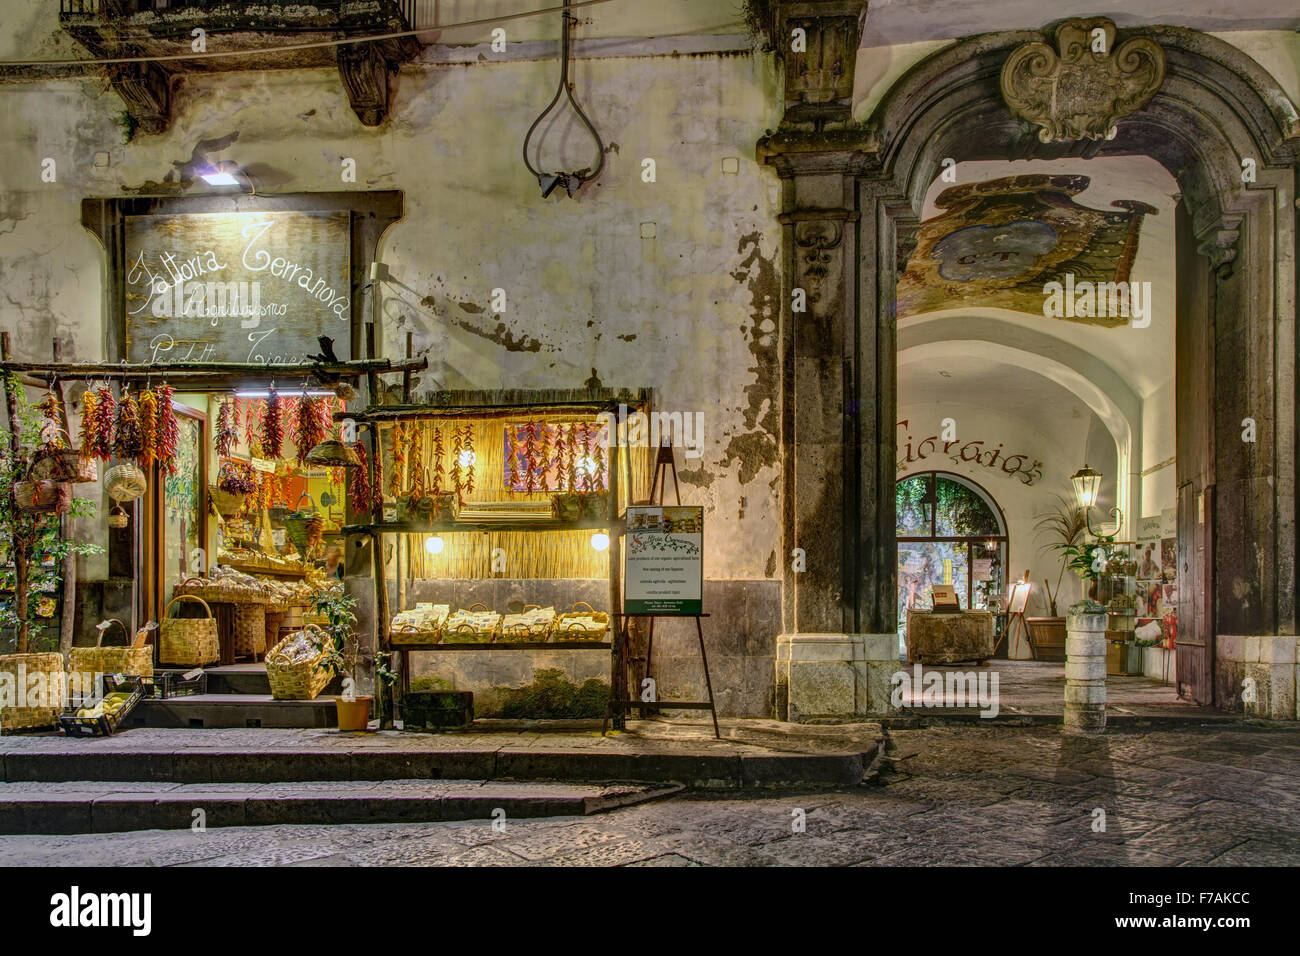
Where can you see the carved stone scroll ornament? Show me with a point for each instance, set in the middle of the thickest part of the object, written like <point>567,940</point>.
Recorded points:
<point>1080,91</point>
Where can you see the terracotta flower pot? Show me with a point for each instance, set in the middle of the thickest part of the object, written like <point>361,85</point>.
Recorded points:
<point>354,714</point>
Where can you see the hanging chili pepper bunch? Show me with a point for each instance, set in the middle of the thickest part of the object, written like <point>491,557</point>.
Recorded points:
<point>544,465</point>
<point>148,403</point>
<point>456,479</point>
<point>236,478</point>
<point>584,442</point>
<point>396,478</point>
<point>564,470</point>
<point>98,416</point>
<point>52,428</point>
<point>415,467</point>
<point>512,462</point>
<point>225,429</point>
<point>127,444</point>
<point>526,458</point>
<point>168,432</point>
<point>360,493</point>
<point>598,460</point>
<point>467,445</point>
<point>272,426</point>
<point>306,426</point>
<point>437,460</point>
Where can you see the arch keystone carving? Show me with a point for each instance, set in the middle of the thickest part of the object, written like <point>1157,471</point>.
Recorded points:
<point>1081,88</point>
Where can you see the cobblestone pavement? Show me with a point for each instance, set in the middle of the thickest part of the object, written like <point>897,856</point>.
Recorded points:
<point>959,796</point>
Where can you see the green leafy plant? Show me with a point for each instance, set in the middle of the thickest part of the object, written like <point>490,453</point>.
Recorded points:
<point>1065,526</point>
<point>339,611</point>
<point>34,540</point>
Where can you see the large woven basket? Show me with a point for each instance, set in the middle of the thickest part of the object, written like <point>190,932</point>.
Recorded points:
<point>42,497</point>
<point>296,523</point>
<point>303,680</point>
<point>47,706</point>
<point>136,661</point>
<point>188,641</point>
<point>250,629</point>
<point>62,464</point>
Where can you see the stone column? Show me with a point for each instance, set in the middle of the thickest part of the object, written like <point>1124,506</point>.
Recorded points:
<point>1085,671</point>
<point>830,663</point>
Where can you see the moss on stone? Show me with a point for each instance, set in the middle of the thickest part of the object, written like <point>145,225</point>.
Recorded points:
<point>552,696</point>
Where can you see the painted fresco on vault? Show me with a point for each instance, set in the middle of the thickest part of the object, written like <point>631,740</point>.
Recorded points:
<point>997,244</point>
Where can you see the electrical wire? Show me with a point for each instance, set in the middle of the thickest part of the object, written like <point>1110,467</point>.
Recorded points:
<point>565,88</point>
<point>317,44</point>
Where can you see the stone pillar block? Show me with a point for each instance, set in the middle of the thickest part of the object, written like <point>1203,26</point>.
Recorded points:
<point>834,676</point>
<point>1271,668</point>
<point>1085,672</point>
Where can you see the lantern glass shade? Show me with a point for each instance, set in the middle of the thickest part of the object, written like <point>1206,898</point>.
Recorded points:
<point>600,541</point>
<point>1087,485</point>
<point>433,544</point>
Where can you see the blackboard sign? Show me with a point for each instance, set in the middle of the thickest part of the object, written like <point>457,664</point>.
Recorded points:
<point>237,287</point>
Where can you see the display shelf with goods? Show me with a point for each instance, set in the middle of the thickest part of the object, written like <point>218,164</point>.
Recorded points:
<point>505,518</point>
<point>1116,588</point>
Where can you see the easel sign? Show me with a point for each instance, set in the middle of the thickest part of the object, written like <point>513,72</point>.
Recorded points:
<point>664,560</point>
<point>1019,597</point>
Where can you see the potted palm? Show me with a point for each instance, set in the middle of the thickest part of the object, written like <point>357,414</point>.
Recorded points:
<point>1064,528</point>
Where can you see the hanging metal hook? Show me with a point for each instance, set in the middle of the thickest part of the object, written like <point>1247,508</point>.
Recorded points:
<point>574,180</point>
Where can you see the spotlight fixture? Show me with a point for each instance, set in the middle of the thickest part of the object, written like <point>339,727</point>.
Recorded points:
<point>433,544</point>
<point>600,541</point>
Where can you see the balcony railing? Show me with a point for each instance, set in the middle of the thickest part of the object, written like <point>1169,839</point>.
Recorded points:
<point>418,13</point>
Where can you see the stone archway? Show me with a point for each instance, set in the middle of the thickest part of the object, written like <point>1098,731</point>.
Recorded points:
<point>852,197</point>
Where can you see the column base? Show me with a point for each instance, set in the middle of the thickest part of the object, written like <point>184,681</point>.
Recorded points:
<point>1259,675</point>
<point>834,676</point>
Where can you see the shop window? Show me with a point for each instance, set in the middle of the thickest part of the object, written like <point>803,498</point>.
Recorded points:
<point>950,531</point>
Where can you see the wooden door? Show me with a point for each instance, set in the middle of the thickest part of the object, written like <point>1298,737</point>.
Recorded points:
<point>1194,649</point>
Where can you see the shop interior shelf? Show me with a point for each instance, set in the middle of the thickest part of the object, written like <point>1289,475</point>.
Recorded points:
<point>504,524</point>
<point>508,646</point>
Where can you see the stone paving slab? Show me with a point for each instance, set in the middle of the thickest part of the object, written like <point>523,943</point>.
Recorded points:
<point>964,799</point>
<point>106,807</point>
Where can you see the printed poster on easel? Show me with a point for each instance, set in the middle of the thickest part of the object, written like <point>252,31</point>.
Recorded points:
<point>664,564</point>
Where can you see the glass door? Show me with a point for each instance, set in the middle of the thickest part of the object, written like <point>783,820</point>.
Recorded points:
<point>177,512</point>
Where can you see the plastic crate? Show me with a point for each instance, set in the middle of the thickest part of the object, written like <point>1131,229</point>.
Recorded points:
<point>106,724</point>
<point>171,684</point>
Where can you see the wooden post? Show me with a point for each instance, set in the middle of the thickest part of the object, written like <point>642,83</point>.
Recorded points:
<point>68,616</point>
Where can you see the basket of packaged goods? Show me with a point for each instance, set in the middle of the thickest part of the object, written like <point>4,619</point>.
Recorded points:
<point>41,700</point>
<point>534,624</point>
<point>99,718</point>
<point>578,625</point>
<point>421,625</point>
<point>188,641</point>
<point>296,667</point>
<point>470,626</point>
<point>133,657</point>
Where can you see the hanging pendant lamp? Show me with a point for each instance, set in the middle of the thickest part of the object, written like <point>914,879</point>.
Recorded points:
<point>571,181</point>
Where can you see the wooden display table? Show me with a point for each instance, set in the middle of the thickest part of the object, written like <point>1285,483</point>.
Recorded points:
<point>948,638</point>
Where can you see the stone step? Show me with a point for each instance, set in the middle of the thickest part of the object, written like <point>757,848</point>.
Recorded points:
<point>58,759</point>
<point>108,807</point>
<point>227,711</point>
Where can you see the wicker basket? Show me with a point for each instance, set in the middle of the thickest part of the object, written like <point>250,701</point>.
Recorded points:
<point>410,634</point>
<point>227,503</point>
<point>125,482</point>
<point>41,497</point>
<point>303,680</point>
<point>573,626</point>
<point>21,667</point>
<point>62,464</point>
<point>135,661</point>
<point>250,630</point>
<point>296,522</point>
<point>188,641</point>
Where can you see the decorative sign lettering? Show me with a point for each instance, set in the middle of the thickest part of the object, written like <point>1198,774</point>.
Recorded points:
<point>971,452</point>
<point>664,566</point>
<point>237,287</point>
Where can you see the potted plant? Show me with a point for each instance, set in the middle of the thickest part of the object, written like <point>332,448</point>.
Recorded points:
<point>339,611</point>
<point>1064,528</point>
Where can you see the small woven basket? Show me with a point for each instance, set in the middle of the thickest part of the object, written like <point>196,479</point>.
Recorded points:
<point>42,497</point>
<point>47,706</point>
<point>62,464</point>
<point>303,680</point>
<point>296,522</point>
<point>188,641</point>
<point>410,634</point>
<point>250,630</point>
<point>135,661</point>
